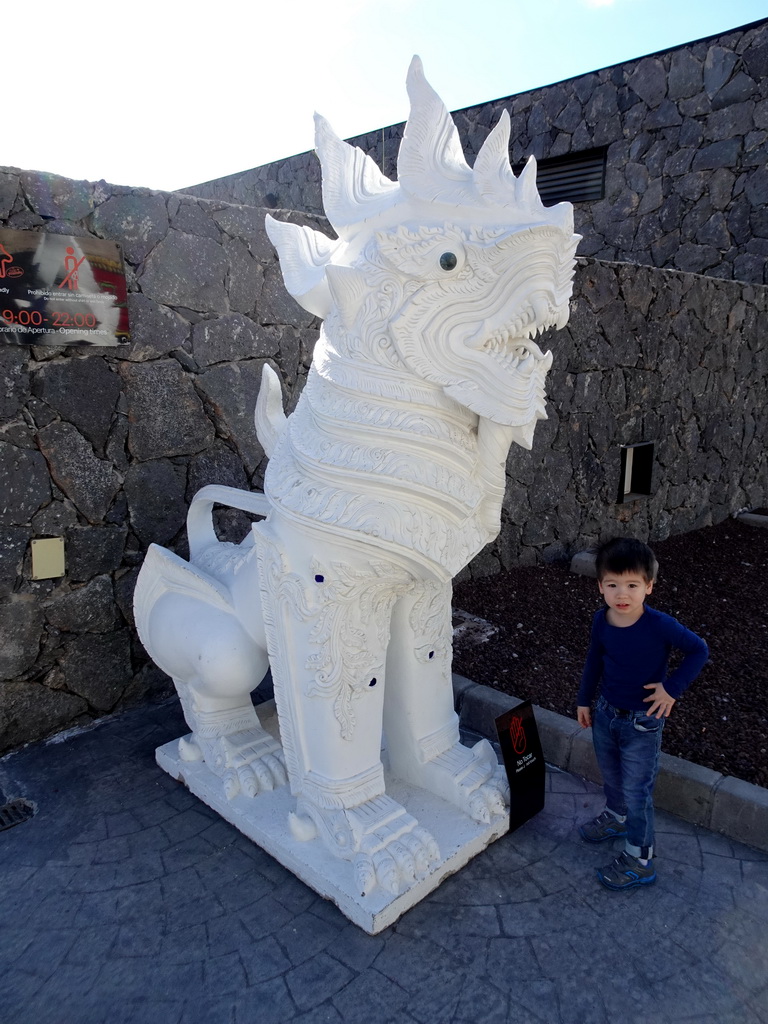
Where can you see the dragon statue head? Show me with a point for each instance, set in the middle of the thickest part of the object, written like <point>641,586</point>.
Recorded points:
<point>467,264</point>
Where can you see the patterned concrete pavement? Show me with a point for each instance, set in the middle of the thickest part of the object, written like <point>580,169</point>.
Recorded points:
<point>125,899</point>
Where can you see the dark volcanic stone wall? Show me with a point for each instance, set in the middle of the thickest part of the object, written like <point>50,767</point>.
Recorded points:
<point>686,132</point>
<point>106,446</point>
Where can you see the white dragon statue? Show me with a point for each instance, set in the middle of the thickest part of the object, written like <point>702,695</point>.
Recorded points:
<point>386,480</point>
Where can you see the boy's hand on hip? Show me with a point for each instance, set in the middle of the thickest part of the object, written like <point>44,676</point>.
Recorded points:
<point>584,717</point>
<point>660,701</point>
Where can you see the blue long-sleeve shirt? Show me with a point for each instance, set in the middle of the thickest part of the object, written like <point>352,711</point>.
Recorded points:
<point>622,659</point>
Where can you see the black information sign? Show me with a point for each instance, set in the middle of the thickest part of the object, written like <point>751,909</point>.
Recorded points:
<point>61,290</point>
<point>524,762</point>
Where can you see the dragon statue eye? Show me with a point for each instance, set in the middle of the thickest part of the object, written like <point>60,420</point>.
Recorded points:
<point>448,261</point>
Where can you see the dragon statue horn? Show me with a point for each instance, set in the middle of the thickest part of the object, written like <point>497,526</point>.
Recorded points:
<point>304,256</point>
<point>353,186</point>
<point>431,163</point>
<point>492,172</point>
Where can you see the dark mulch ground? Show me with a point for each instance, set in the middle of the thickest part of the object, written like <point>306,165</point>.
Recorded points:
<point>713,580</point>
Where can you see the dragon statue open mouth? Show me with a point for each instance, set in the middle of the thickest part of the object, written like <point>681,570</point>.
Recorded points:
<point>385,481</point>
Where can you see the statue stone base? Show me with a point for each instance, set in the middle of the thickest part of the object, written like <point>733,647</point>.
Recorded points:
<point>266,822</point>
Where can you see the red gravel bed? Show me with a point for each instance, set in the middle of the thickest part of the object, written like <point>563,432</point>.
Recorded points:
<point>712,580</point>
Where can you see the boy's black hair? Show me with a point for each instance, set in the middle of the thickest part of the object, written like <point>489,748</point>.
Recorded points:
<point>625,554</point>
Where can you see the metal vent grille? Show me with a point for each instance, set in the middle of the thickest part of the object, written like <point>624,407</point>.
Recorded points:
<point>575,178</point>
<point>14,813</point>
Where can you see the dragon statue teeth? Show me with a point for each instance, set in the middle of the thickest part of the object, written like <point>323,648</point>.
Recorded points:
<point>386,480</point>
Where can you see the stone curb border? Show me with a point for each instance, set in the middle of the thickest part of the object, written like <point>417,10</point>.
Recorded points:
<point>752,519</point>
<point>721,803</point>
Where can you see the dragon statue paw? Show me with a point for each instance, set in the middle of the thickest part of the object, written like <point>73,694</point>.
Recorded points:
<point>248,762</point>
<point>386,845</point>
<point>469,778</point>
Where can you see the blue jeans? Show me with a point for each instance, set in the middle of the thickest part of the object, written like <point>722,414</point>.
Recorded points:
<point>627,746</point>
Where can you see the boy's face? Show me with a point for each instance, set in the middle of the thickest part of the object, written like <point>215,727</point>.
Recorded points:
<point>624,594</point>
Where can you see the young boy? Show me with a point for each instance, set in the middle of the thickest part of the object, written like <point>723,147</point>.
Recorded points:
<point>627,664</point>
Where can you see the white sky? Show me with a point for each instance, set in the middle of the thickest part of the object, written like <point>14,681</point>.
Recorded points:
<point>168,93</point>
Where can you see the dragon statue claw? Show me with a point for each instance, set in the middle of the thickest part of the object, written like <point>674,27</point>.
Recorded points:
<point>386,845</point>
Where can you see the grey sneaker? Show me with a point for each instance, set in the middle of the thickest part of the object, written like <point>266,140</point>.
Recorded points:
<point>604,826</point>
<point>626,872</point>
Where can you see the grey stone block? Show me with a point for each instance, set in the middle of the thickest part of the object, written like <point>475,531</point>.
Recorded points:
<point>752,519</point>
<point>55,197</point>
<point>685,789</point>
<point>277,306</point>
<point>187,271</point>
<point>583,563</point>
<point>480,708</point>
<point>155,329</point>
<point>14,381</point>
<point>117,218</point>
<point>9,187</point>
<point>557,734</point>
<point>740,810</point>
<point>216,465</point>
<point>231,391</point>
<point>90,608</point>
<point>97,667</point>
<point>13,546</point>
<point>460,686</point>
<point>29,711</point>
<point>246,277</point>
<point>21,623</point>
<point>195,219</point>
<point>155,493</point>
<point>93,550</point>
<point>89,482</point>
<point>24,484</point>
<point>165,413</point>
<point>54,519</point>
<point>246,223</point>
<point>582,760</point>
<point>649,81</point>
<point>231,338</point>
<point>83,392</point>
